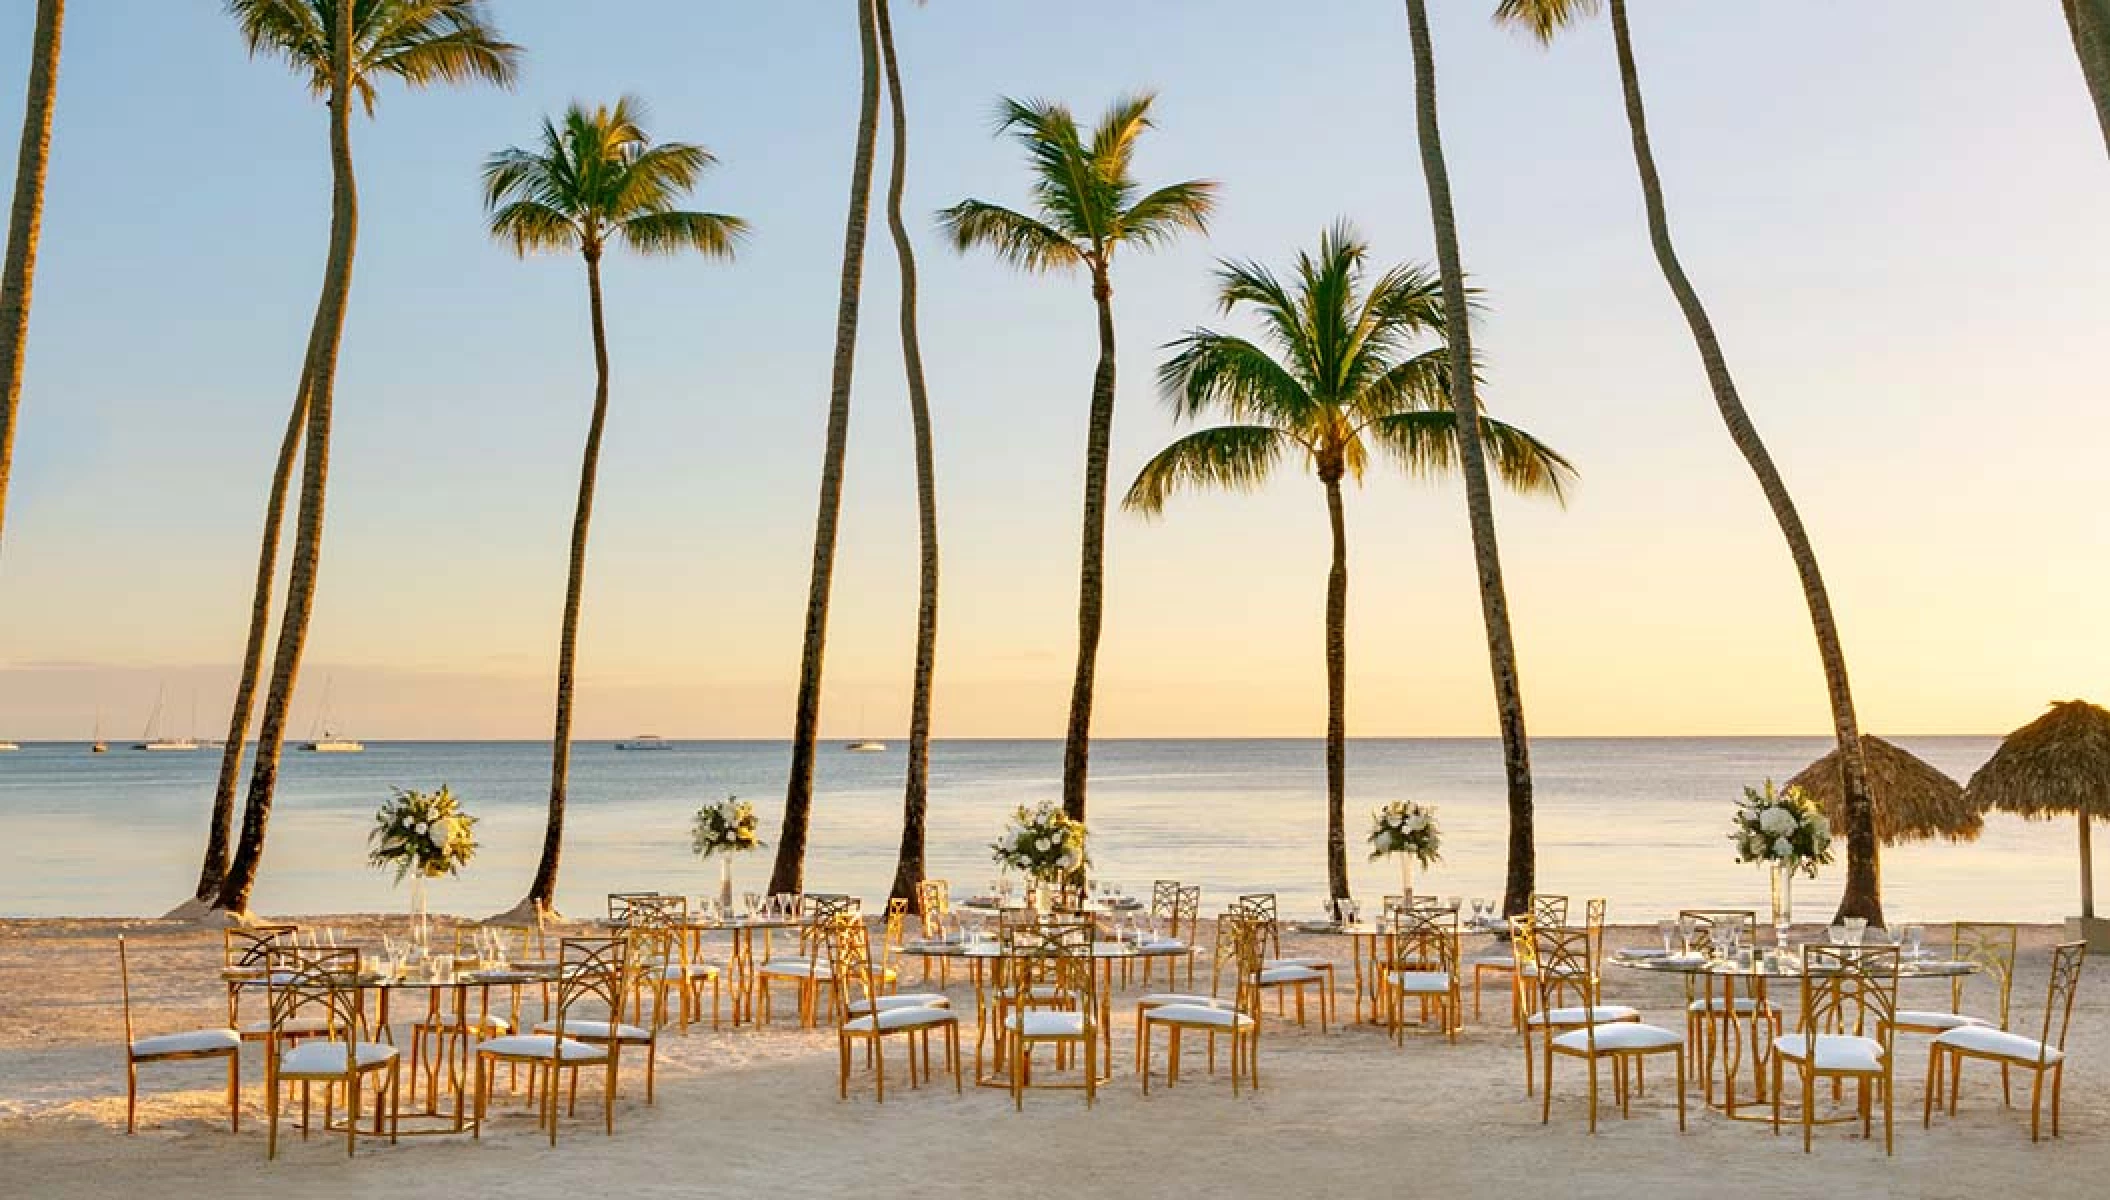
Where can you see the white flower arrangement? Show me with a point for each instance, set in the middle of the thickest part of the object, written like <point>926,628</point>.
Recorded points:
<point>1404,827</point>
<point>728,827</point>
<point>1042,842</point>
<point>1784,828</point>
<point>422,833</point>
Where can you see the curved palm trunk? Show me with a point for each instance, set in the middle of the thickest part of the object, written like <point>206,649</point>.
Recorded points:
<point>1336,693</point>
<point>213,872</point>
<point>24,222</point>
<point>1091,586</point>
<point>908,869</point>
<point>1472,461</point>
<point>1863,887</point>
<point>542,893</point>
<point>2089,20</point>
<point>319,385</point>
<point>789,872</point>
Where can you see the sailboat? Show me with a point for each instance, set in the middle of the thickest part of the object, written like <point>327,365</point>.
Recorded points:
<point>865,745</point>
<point>329,742</point>
<point>152,739</point>
<point>99,746</point>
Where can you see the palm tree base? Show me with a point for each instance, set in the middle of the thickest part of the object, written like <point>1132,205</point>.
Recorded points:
<point>527,912</point>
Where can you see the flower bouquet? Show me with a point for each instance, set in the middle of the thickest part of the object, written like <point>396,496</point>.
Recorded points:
<point>1407,831</point>
<point>724,829</point>
<point>1043,843</point>
<point>1787,831</point>
<point>423,835</point>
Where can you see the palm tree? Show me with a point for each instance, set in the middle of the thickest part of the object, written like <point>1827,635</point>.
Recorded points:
<point>788,875</point>
<point>595,180</point>
<point>2089,21</point>
<point>345,50</point>
<point>1522,875</point>
<point>1863,895</point>
<point>23,223</point>
<point>1337,378</point>
<point>908,869</point>
<point>1089,205</point>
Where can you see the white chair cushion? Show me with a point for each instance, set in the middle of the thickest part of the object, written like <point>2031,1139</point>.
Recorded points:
<point>1497,960</point>
<point>1603,1014</point>
<point>1913,1018</point>
<point>1042,1023</point>
<point>1745,1006</point>
<point>326,1059</point>
<point>1290,973</point>
<point>912,1017</point>
<point>1425,983</point>
<point>675,971</point>
<point>1835,1051</point>
<point>595,1031</point>
<point>197,1041</point>
<point>1984,1039</point>
<point>1316,964</point>
<point>1622,1035</point>
<point>479,1023</point>
<point>903,1000</point>
<point>541,1045</point>
<point>796,968</point>
<point>1161,999</point>
<point>300,1026</point>
<point>1200,1015</point>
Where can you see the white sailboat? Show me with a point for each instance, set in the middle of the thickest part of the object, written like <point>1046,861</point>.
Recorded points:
<point>864,745</point>
<point>329,742</point>
<point>645,741</point>
<point>152,739</point>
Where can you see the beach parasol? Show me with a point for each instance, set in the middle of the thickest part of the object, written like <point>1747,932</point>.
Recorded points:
<point>1914,801</point>
<point>2057,765</point>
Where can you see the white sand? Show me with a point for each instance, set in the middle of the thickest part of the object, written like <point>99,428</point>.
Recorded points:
<point>754,1113</point>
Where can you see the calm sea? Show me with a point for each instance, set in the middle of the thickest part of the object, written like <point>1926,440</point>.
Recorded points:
<point>1640,820</point>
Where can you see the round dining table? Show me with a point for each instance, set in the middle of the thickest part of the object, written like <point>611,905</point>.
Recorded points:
<point>1366,952</point>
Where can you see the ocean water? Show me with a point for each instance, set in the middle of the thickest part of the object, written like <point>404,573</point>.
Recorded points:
<point>1642,821</point>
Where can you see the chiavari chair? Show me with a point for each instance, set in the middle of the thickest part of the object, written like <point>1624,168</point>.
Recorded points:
<point>192,1046</point>
<point>934,905</point>
<point>640,946</point>
<point>1545,1020</point>
<point>1237,1019</point>
<point>1989,946</point>
<point>679,967</point>
<point>1186,927</point>
<point>2043,1057</point>
<point>1282,976</point>
<point>1164,914</point>
<point>1563,952</point>
<point>1843,989</point>
<point>243,951</point>
<point>871,1016</point>
<point>325,983</point>
<point>1232,931</point>
<point>1055,956</point>
<point>1421,964</point>
<point>594,975</point>
<point>809,969</point>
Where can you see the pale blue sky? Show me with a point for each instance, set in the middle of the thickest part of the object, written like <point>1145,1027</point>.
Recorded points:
<point>1895,208</point>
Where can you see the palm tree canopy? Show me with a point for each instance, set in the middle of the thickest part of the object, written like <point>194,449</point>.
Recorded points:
<point>1085,195</point>
<point>1543,19</point>
<point>1342,366</point>
<point>420,42</point>
<point>596,176</point>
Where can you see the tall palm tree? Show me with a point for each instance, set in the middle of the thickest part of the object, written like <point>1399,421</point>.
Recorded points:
<point>23,223</point>
<point>789,872</point>
<point>1336,378</point>
<point>1521,878</point>
<point>908,868</point>
<point>1089,205</point>
<point>1863,895</point>
<point>2089,21</point>
<point>595,180</point>
<point>345,50</point>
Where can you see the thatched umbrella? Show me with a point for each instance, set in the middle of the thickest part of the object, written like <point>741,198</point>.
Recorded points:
<point>2057,765</point>
<point>1914,801</point>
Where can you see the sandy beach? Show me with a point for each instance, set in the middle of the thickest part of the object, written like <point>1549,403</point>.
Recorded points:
<point>754,1112</point>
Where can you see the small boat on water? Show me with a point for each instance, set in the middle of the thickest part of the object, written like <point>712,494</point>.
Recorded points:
<point>866,746</point>
<point>7,746</point>
<point>98,746</point>
<point>331,742</point>
<point>151,739</point>
<point>645,741</point>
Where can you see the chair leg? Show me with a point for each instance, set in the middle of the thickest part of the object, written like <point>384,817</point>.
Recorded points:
<point>1933,1085</point>
<point>1681,1091</point>
<point>234,1092</point>
<point>2036,1102</point>
<point>131,1095</point>
<point>1593,1093</point>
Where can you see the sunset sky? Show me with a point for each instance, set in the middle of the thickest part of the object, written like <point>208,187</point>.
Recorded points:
<point>1895,208</point>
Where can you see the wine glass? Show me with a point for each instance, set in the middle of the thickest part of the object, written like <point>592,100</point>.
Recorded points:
<point>1668,931</point>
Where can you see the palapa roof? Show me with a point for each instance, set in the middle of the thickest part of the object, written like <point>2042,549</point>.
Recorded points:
<point>1914,801</point>
<point>2057,765</point>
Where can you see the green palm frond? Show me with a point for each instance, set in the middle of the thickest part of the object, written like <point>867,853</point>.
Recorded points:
<point>1543,19</point>
<point>1417,384</point>
<point>531,227</point>
<point>1215,370</point>
<point>714,235</point>
<point>1017,239</point>
<point>1426,444</point>
<point>1161,217</point>
<point>420,42</point>
<point>1255,286</point>
<point>1233,457</point>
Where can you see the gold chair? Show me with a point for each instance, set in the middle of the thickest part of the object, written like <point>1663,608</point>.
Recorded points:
<point>1545,910</point>
<point>1055,1001</point>
<point>808,970</point>
<point>1550,1021</point>
<point>2041,1057</point>
<point>1279,974</point>
<point>341,1055</point>
<point>641,946</point>
<point>1232,932</point>
<point>1164,914</point>
<point>591,972</point>
<point>934,905</point>
<point>193,1046</point>
<point>620,904</point>
<point>1989,946</point>
<point>871,1016</point>
<point>674,965</point>
<point>1561,954</point>
<point>1422,965</point>
<point>1843,988</point>
<point>243,953</point>
<point>1239,1019</point>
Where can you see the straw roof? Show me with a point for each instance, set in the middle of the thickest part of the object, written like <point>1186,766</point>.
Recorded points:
<point>2058,764</point>
<point>1914,802</point>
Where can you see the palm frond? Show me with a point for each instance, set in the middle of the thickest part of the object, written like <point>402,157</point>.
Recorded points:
<point>1215,370</point>
<point>420,42</point>
<point>1234,457</point>
<point>1164,214</point>
<point>1255,286</point>
<point>1543,19</point>
<point>530,226</point>
<point>1425,443</point>
<point>1020,240</point>
<point>1062,181</point>
<point>714,235</point>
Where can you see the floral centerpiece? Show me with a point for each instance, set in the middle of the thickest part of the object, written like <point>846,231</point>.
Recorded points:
<point>1406,831</point>
<point>423,835</point>
<point>1043,843</point>
<point>1787,831</point>
<point>723,830</point>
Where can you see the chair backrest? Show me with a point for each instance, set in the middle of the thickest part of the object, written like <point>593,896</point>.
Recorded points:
<point>849,946</point>
<point>2067,959</point>
<point>1424,939</point>
<point>619,903</point>
<point>896,929</point>
<point>1563,956</point>
<point>1058,953</point>
<point>338,960</point>
<point>248,946</point>
<point>1263,908</point>
<point>1187,913</point>
<point>522,942</point>
<point>934,903</point>
<point>1850,989</point>
<point>124,989</point>
<point>1593,922</point>
<point>1715,930</point>
<point>597,969</point>
<point>1548,911</point>
<point>296,985</point>
<point>1165,900</point>
<point>819,911</point>
<point>1246,952</point>
<point>1990,945</point>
